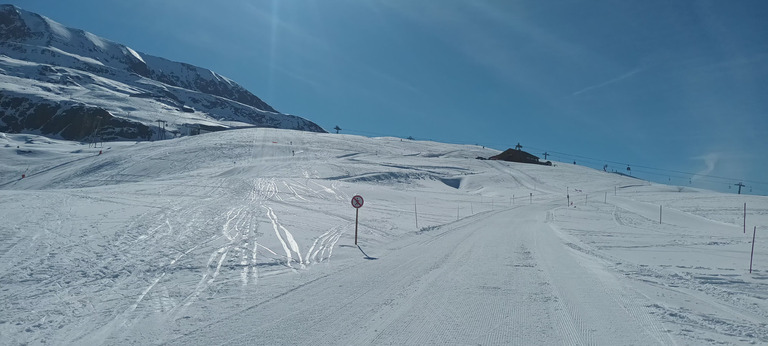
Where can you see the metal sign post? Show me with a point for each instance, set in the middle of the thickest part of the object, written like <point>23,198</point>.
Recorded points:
<point>357,202</point>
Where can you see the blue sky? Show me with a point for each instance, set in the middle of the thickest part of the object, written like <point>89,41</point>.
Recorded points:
<point>672,88</point>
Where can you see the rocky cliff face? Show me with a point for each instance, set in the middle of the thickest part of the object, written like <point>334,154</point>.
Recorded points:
<point>69,83</point>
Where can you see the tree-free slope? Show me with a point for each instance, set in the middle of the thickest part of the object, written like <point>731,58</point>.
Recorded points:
<point>247,237</point>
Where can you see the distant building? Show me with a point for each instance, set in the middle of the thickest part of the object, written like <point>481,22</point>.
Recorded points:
<point>517,155</point>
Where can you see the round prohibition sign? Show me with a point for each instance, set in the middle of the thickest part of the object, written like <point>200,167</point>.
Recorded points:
<point>357,201</point>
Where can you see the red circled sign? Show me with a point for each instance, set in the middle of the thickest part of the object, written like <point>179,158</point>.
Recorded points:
<point>357,201</point>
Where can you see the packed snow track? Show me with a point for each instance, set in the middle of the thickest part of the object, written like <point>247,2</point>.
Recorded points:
<point>247,237</point>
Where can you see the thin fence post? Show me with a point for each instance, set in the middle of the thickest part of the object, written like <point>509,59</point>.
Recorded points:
<point>416,213</point>
<point>745,218</point>
<point>752,255</point>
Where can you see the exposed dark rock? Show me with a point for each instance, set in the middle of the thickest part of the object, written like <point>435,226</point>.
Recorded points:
<point>75,122</point>
<point>11,26</point>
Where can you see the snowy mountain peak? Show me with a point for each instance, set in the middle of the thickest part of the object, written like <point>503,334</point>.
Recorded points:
<point>43,62</point>
<point>30,28</point>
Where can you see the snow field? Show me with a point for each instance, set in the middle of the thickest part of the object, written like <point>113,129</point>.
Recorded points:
<point>247,237</point>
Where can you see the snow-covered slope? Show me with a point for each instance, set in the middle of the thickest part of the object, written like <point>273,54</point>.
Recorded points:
<point>48,72</point>
<point>247,237</point>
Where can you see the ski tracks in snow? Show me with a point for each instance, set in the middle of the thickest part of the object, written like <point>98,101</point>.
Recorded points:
<point>322,248</point>
<point>286,239</point>
<point>240,250</point>
<point>474,282</point>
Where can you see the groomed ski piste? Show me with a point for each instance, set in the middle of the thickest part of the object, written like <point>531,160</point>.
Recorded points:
<point>247,237</point>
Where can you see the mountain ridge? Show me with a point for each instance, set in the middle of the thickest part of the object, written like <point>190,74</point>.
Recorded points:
<point>47,63</point>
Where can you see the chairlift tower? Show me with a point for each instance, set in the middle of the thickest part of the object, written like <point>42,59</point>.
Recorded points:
<point>740,185</point>
<point>96,129</point>
<point>161,129</point>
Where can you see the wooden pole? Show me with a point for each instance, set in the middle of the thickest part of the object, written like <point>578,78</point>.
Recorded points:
<point>753,249</point>
<point>416,213</point>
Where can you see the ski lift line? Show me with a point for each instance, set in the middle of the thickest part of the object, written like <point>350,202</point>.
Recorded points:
<point>595,160</point>
<point>700,178</point>
<point>647,167</point>
<point>601,161</point>
<point>685,177</point>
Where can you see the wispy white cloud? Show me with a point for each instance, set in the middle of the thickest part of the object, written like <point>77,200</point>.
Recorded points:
<point>710,162</point>
<point>608,82</point>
